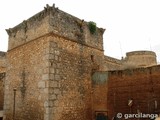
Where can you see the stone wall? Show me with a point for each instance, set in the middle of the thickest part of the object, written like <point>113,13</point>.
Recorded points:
<point>26,65</point>
<point>112,63</point>
<point>71,65</point>
<point>99,93</point>
<point>141,85</point>
<point>2,77</point>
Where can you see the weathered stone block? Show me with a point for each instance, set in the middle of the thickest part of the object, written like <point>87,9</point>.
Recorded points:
<point>56,58</point>
<point>41,84</point>
<point>56,103</point>
<point>53,84</point>
<point>48,104</point>
<point>46,117</point>
<point>57,77</point>
<point>49,57</point>
<point>57,52</point>
<point>47,63</point>
<point>57,71</point>
<point>57,91</point>
<point>45,77</point>
<point>46,90</point>
<point>52,97</point>
<point>46,70</point>
<point>52,76</point>
<point>49,110</point>
<point>52,70</point>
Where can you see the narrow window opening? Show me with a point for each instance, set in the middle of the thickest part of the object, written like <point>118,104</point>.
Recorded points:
<point>92,58</point>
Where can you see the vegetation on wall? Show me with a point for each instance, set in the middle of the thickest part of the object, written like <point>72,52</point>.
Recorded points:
<point>92,27</point>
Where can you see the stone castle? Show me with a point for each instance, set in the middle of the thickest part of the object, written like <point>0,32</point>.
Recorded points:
<point>55,69</point>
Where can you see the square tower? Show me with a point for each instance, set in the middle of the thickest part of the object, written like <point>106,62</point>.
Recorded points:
<point>50,59</point>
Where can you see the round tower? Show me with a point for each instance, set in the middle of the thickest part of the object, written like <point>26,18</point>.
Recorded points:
<point>141,58</point>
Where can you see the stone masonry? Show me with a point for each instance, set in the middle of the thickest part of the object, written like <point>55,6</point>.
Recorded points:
<point>142,85</point>
<point>2,76</point>
<point>2,62</point>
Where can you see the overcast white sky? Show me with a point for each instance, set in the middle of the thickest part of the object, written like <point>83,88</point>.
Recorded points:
<point>130,24</point>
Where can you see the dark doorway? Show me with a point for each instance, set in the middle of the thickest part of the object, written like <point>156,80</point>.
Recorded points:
<point>101,116</point>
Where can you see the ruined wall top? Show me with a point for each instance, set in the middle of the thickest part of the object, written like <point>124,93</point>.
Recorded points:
<point>56,22</point>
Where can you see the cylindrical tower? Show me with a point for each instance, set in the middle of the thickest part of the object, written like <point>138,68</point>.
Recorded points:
<point>141,58</point>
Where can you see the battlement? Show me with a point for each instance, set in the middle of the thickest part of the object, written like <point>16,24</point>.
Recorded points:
<point>56,22</point>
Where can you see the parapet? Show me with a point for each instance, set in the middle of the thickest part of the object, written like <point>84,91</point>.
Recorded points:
<point>56,22</point>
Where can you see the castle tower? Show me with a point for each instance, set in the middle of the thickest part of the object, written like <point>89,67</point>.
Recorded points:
<point>140,58</point>
<point>50,59</point>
